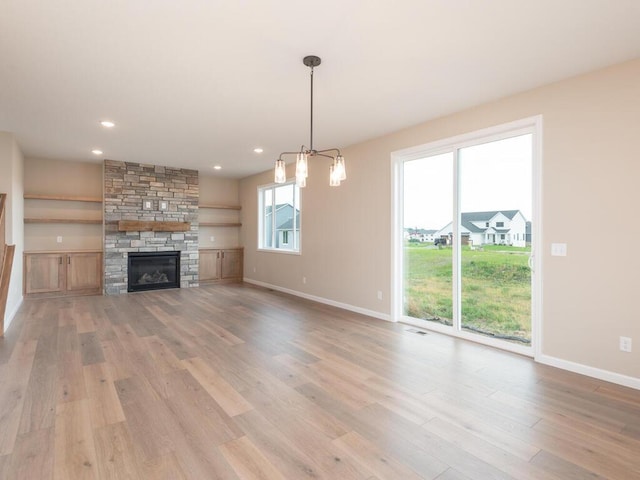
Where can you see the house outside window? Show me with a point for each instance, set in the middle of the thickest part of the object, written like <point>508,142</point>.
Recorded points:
<point>279,218</point>
<point>499,224</point>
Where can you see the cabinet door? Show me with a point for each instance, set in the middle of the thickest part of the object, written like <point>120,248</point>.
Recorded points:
<point>231,263</point>
<point>44,272</point>
<point>84,271</point>
<point>208,265</point>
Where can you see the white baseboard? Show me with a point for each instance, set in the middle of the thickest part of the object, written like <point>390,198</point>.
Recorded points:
<point>9,318</point>
<point>606,375</point>
<point>326,301</point>
<point>617,378</point>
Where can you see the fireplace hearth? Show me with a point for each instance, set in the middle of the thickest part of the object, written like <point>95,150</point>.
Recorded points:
<point>153,271</point>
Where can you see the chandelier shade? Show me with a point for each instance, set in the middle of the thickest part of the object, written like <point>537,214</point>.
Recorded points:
<point>337,169</point>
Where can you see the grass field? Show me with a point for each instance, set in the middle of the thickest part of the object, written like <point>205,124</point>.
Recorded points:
<point>496,288</point>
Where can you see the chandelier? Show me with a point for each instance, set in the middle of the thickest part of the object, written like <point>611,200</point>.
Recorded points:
<point>337,171</point>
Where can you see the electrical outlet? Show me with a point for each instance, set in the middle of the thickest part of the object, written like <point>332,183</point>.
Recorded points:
<point>625,344</point>
<point>59,239</point>
<point>304,279</point>
<point>212,238</point>
<point>559,249</point>
<point>379,295</point>
<point>254,269</point>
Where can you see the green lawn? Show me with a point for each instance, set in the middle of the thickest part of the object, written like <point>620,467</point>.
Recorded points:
<point>496,288</point>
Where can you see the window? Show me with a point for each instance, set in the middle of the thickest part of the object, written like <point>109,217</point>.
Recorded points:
<point>279,220</point>
<point>499,224</point>
<point>486,224</point>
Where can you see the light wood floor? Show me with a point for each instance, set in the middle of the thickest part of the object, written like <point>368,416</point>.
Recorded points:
<point>232,381</point>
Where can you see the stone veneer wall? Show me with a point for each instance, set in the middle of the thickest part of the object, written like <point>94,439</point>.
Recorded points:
<point>126,185</point>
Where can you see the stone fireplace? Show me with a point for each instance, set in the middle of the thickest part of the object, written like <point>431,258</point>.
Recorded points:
<point>152,195</point>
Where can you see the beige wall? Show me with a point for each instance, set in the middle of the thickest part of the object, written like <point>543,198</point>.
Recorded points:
<point>62,177</point>
<point>590,198</point>
<point>11,180</point>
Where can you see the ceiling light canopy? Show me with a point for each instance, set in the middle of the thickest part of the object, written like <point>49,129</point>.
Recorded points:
<point>258,150</point>
<point>337,170</point>
<point>217,167</point>
<point>107,124</point>
<point>96,151</point>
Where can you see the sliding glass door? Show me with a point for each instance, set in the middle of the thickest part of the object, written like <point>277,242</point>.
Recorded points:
<point>467,233</point>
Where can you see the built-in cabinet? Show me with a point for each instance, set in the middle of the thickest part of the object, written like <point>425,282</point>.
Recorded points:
<point>63,273</point>
<point>221,265</point>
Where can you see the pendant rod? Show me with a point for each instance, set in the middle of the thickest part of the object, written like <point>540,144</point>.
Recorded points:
<point>311,123</point>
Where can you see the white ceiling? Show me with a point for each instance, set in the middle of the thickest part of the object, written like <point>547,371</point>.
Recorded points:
<point>195,83</point>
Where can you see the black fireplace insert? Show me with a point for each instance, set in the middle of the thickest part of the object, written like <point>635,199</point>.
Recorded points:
<point>153,271</point>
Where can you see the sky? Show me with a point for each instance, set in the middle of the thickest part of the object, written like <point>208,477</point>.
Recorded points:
<point>493,176</point>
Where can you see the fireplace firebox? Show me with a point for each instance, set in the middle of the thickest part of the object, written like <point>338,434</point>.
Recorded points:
<point>153,271</point>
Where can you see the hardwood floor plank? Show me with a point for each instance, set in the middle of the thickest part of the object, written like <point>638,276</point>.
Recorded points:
<point>13,385</point>
<point>248,461</point>
<point>33,456</point>
<point>148,419</point>
<point>162,356</point>
<point>276,393</point>
<point>562,468</point>
<point>115,453</point>
<point>477,446</point>
<point>234,381</point>
<point>372,459</point>
<point>197,412</point>
<point>165,467</point>
<point>311,441</point>
<point>75,456</point>
<point>278,447</point>
<point>220,390</point>
<point>90,348</point>
<point>39,407</point>
<point>104,404</point>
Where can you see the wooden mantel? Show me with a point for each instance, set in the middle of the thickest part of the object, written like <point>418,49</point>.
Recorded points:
<point>152,226</point>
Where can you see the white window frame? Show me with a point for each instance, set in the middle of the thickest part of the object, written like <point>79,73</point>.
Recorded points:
<point>527,125</point>
<point>293,246</point>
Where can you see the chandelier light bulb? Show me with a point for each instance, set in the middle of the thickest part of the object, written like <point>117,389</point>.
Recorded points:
<point>342,171</point>
<point>334,177</point>
<point>280,173</point>
<point>301,165</point>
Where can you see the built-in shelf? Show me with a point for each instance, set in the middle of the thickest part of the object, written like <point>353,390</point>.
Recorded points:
<point>63,220</point>
<point>68,198</point>
<point>222,207</point>
<point>220,224</point>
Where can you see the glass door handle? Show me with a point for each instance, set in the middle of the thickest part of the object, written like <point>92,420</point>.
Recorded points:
<point>530,262</point>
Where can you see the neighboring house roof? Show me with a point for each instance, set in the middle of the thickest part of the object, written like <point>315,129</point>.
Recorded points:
<point>486,216</point>
<point>471,227</point>
<point>288,224</point>
<point>467,219</point>
<point>284,216</point>
<point>420,231</point>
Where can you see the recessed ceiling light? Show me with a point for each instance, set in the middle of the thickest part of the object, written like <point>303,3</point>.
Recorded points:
<point>217,167</point>
<point>96,152</point>
<point>107,124</point>
<point>258,150</point>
